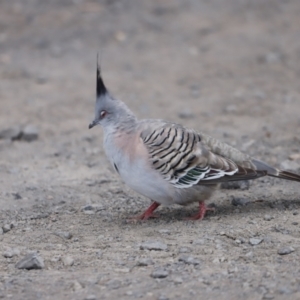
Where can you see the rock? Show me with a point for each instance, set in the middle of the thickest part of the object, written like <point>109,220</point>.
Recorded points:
<point>92,208</point>
<point>9,253</point>
<point>234,185</point>
<point>30,133</point>
<point>255,241</point>
<point>68,261</point>
<point>7,227</point>
<point>267,218</point>
<point>17,196</point>
<point>236,201</point>
<point>184,250</point>
<point>164,231</point>
<point>294,156</point>
<point>1,230</point>
<point>159,273</point>
<point>77,286</point>
<point>113,284</point>
<point>153,245</point>
<point>143,262</point>
<point>30,262</point>
<point>64,234</point>
<point>189,260</point>
<point>12,133</point>
<point>186,114</point>
<point>289,165</point>
<point>90,297</point>
<point>285,250</point>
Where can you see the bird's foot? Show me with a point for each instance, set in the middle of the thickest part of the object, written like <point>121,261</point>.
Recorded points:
<point>202,211</point>
<point>147,214</point>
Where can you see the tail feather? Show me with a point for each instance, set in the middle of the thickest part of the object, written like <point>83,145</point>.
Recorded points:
<point>287,175</point>
<point>271,171</point>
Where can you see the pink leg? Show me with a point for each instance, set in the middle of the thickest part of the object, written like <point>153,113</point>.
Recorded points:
<point>202,211</point>
<point>148,213</point>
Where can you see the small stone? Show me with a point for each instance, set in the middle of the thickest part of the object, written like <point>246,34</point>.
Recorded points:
<point>159,273</point>
<point>7,227</point>
<point>186,114</point>
<point>164,231</point>
<point>30,262</point>
<point>240,201</point>
<point>77,286</point>
<point>255,241</point>
<point>30,133</point>
<point>285,250</point>
<point>153,245</point>
<point>177,280</point>
<point>11,253</point>
<point>294,156</point>
<point>289,165</point>
<point>17,196</point>
<point>189,260</point>
<point>12,133</point>
<point>295,223</point>
<point>267,218</point>
<point>143,262</point>
<point>92,208</point>
<point>1,230</point>
<point>90,297</point>
<point>68,261</point>
<point>163,297</point>
<point>113,284</point>
<point>185,250</point>
<point>64,234</point>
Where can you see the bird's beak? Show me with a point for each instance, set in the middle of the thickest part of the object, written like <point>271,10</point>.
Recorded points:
<point>94,123</point>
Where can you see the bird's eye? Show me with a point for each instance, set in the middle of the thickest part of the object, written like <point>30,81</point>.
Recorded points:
<point>102,114</point>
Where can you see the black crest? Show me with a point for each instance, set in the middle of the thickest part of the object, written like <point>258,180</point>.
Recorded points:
<point>101,89</point>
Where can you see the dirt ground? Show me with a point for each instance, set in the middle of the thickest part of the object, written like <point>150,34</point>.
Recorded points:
<point>228,68</point>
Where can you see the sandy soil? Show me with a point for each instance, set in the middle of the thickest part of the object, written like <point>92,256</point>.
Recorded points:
<point>228,68</point>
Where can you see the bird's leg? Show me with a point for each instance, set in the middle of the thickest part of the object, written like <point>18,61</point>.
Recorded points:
<point>148,213</point>
<point>202,211</point>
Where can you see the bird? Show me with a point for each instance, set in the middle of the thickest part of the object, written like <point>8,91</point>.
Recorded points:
<point>167,162</point>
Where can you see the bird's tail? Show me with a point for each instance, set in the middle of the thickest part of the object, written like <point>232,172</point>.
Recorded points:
<point>275,172</point>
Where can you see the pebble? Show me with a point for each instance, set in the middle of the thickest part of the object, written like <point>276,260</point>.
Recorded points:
<point>113,284</point>
<point>92,208</point>
<point>159,273</point>
<point>7,227</point>
<point>164,231</point>
<point>30,133</point>
<point>30,262</point>
<point>163,297</point>
<point>9,253</point>
<point>285,250</point>
<point>239,201</point>
<point>289,165</point>
<point>186,114</point>
<point>267,218</point>
<point>77,286</point>
<point>12,133</point>
<point>68,261</point>
<point>294,156</point>
<point>153,245</point>
<point>189,260</point>
<point>184,250</point>
<point>143,262</point>
<point>255,241</point>
<point>90,297</point>
<point>64,234</point>
<point>177,280</point>
<point>1,231</point>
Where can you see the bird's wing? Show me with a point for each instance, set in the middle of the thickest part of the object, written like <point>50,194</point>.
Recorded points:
<point>184,160</point>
